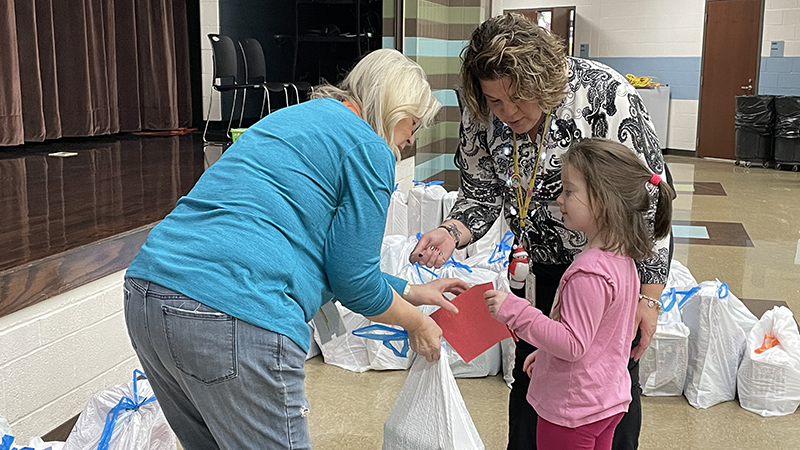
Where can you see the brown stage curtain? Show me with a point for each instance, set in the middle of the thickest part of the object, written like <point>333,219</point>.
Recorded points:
<point>92,67</point>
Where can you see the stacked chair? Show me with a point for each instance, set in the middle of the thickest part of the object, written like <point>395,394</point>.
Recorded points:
<point>225,59</point>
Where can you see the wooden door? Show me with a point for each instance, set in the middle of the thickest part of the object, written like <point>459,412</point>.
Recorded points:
<point>730,68</point>
<point>560,20</point>
<point>561,25</point>
<point>532,14</point>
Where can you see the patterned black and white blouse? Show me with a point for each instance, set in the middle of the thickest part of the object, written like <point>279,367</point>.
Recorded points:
<point>599,103</point>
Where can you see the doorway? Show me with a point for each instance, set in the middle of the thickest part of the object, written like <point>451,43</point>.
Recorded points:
<point>731,57</point>
<point>559,20</point>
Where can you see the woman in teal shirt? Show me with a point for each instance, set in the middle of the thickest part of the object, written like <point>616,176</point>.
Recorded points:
<point>218,299</point>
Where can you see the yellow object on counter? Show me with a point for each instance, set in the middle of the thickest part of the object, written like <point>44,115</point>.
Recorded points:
<point>640,82</point>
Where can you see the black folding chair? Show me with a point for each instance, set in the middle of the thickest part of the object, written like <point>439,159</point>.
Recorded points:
<point>224,57</point>
<point>256,72</point>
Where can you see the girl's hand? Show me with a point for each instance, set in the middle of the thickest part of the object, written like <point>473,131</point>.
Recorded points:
<point>494,300</point>
<point>528,365</point>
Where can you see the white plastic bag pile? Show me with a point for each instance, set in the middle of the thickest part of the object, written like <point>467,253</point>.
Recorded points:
<point>430,413</point>
<point>486,260</point>
<point>769,377</point>
<point>135,422</point>
<point>354,353</point>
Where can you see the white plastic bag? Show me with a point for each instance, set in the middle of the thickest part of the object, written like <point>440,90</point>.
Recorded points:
<point>662,368</point>
<point>124,417</point>
<point>769,382</point>
<point>5,428</point>
<point>425,206</point>
<point>418,274</point>
<point>343,349</point>
<point>381,356</point>
<point>397,215</point>
<point>490,240</point>
<point>358,354</point>
<point>448,201</point>
<point>716,346</point>
<point>313,348</point>
<point>680,277</point>
<point>495,259</point>
<point>430,413</point>
<point>394,254</point>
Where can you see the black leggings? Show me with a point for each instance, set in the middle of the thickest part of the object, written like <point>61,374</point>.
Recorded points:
<point>522,417</point>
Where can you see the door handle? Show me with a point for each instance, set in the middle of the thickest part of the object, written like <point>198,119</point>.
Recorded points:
<point>749,87</point>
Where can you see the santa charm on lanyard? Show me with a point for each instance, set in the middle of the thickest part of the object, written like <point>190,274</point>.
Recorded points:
<point>523,203</point>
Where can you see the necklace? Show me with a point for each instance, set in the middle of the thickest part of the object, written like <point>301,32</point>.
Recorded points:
<point>516,179</point>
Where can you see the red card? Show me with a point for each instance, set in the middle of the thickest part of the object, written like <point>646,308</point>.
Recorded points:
<point>473,330</point>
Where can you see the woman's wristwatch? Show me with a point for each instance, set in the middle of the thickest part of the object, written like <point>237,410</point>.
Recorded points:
<point>652,302</point>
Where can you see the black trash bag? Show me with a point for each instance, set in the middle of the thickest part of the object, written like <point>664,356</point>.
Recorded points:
<point>755,113</point>
<point>787,120</point>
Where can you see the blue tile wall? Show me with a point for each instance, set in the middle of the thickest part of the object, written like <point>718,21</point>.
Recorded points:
<point>682,74</point>
<point>779,76</point>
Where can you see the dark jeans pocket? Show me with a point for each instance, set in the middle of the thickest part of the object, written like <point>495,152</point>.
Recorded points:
<point>202,341</point>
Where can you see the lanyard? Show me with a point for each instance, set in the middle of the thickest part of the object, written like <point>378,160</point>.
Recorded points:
<point>523,206</point>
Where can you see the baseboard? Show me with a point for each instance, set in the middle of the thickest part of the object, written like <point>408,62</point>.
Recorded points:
<point>61,432</point>
<point>679,152</point>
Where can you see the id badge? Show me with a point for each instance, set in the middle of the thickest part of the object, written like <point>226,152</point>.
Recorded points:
<point>530,288</point>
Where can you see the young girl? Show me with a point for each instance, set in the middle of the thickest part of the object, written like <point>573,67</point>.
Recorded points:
<point>579,382</point>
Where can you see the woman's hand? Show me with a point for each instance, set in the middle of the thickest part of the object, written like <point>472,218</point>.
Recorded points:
<point>425,339</point>
<point>494,300</point>
<point>433,248</point>
<point>528,365</point>
<point>431,293</point>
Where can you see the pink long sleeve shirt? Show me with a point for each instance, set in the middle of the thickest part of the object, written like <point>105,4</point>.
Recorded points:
<point>580,374</point>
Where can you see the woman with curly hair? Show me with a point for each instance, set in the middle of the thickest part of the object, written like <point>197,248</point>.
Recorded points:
<point>526,103</point>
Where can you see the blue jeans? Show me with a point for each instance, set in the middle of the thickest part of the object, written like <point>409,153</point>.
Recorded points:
<point>222,382</point>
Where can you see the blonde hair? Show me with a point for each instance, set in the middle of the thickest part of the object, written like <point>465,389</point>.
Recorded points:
<point>386,87</point>
<point>513,46</point>
<point>618,184</point>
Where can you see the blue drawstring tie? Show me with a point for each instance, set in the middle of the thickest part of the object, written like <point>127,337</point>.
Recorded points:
<point>378,332</point>
<point>501,250</point>
<point>125,403</point>
<point>454,263</point>
<point>419,272</point>
<point>723,290</point>
<point>672,296</point>
<point>428,184</point>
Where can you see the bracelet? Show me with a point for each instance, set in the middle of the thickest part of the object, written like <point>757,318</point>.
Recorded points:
<point>406,290</point>
<point>454,232</point>
<point>651,302</point>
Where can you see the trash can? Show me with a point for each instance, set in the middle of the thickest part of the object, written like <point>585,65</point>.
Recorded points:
<point>754,123</point>
<point>787,132</point>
